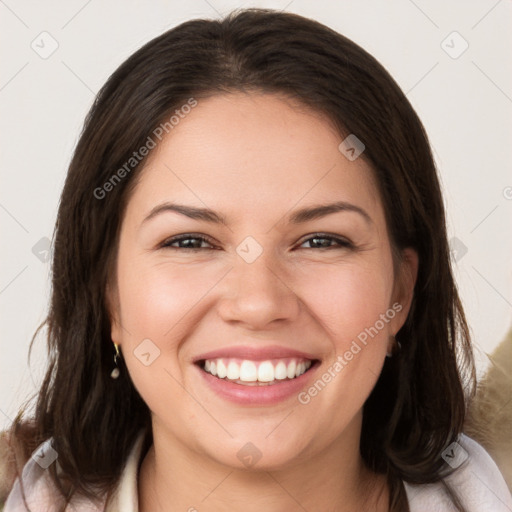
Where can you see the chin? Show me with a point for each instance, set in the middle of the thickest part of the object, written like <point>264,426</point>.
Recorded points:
<point>255,453</point>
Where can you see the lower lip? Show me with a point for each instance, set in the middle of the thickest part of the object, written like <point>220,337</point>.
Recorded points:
<point>258,395</point>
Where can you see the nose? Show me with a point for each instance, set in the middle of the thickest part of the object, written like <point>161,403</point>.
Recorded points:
<point>258,295</point>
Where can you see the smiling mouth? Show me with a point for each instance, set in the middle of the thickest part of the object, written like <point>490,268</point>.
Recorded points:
<point>256,373</point>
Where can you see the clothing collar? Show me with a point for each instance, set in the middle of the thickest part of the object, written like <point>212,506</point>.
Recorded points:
<point>478,483</point>
<point>125,498</point>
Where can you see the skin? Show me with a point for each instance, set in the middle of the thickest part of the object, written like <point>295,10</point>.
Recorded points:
<point>255,159</point>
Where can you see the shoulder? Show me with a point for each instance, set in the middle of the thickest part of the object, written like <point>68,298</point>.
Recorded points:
<point>37,490</point>
<point>476,480</point>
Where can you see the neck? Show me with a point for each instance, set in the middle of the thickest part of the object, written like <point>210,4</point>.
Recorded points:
<point>174,478</point>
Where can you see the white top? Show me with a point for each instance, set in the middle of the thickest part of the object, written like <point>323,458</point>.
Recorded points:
<point>477,481</point>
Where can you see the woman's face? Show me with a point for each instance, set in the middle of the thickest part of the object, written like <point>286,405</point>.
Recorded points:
<point>271,290</point>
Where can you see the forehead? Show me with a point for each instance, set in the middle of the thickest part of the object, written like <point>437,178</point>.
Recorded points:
<point>257,152</point>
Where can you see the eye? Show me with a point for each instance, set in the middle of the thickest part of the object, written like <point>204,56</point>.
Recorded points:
<point>324,241</point>
<point>189,241</point>
<point>196,242</point>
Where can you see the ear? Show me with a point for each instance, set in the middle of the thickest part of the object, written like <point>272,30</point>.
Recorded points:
<point>112,303</point>
<point>405,281</point>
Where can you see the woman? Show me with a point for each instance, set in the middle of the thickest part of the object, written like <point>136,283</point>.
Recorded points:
<point>253,306</point>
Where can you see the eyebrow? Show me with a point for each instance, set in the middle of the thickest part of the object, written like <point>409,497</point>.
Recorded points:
<point>316,212</point>
<point>298,217</point>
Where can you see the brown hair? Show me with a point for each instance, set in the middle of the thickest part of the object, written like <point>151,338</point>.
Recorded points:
<point>418,404</point>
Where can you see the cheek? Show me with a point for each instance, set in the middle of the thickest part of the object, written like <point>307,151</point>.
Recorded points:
<point>157,304</point>
<point>347,299</point>
<point>156,297</point>
<point>349,302</point>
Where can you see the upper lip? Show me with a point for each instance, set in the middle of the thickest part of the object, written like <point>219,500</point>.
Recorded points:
<point>257,353</point>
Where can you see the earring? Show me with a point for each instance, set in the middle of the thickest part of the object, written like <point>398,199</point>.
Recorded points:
<point>115,372</point>
<point>395,348</point>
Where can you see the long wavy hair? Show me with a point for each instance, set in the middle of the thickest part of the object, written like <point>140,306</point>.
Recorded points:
<point>417,406</point>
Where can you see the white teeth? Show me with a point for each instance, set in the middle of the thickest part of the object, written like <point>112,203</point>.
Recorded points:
<point>265,372</point>
<point>248,371</point>
<point>221,369</point>
<point>291,370</point>
<point>254,371</point>
<point>233,371</point>
<point>280,371</point>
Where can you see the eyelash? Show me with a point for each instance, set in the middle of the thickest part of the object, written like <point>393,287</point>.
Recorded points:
<point>342,243</point>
